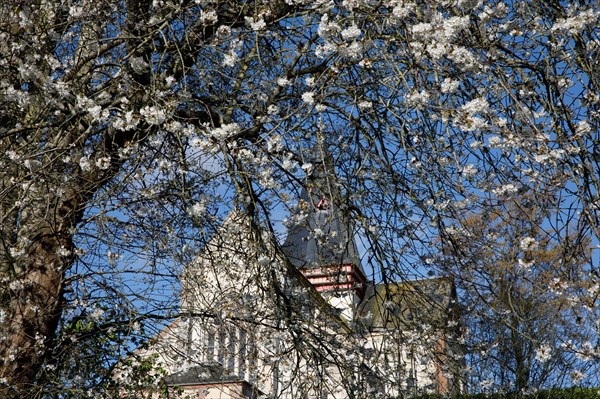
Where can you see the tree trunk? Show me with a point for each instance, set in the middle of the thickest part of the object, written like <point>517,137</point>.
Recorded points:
<point>31,312</point>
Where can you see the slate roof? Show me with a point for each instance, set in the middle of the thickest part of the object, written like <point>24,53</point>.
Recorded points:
<point>409,303</point>
<point>324,237</point>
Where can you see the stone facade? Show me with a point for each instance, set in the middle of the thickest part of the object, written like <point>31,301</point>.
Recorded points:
<point>302,320</point>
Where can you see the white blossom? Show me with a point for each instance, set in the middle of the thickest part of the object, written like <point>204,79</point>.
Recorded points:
<point>75,11</point>
<point>126,122</point>
<point>225,131</point>
<point>208,17</point>
<point>16,251</point>
<point>354,50</point>
<point>320,107</point>
<point>506,189</point>
<point>256,24</point>
<point>138,64</point>
<point>62,251</point>
<point>18,96</point>
<point>363,105</point>
<point>307,168</point>
<point>528,244</point>
<point>454,25</point>
<point>274,143</point>
<point>576,23</point>
<point>462,57</point>
<point>494,141</point>
<point>230,59</point>
<point>32,164</point>
<point>283,81</point>
<point>153,115</point>
<point>198,209</point>
<point>327,28</point>
<point>469,170</point>
<point>476,106</point>
<point>583,128</point>
<point>421,30</point>
<point>525,266</point>
<point>103,163</point>
<point>223,31</point>
<point>471,123</point>
<point>85,164</point>
<point>418,99</point>
<point>449,85</point>
<point>288,164</point>
<point>95,111</point>
<point>325,49</point>
<point>308,97</point>
<point>576,376</point>
<point>350,33</point>
<point>401,11</point>
<point>97,314</point>
<point>169,81</point>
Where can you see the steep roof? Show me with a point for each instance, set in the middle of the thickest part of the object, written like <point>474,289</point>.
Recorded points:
<point>409,303</point>
<point>320,233</point>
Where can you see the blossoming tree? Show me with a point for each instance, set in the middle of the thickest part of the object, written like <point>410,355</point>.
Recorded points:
<point>521,291</point>
<point>127,129</point>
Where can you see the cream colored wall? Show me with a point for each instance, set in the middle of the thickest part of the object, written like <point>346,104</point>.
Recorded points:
<point>402,355</point>
<point>222,292</point>
<point>347,302</point>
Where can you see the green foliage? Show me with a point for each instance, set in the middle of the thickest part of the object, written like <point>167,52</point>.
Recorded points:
<point>556,393</point>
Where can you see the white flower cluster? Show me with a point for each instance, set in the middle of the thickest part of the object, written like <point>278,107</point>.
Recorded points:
<point>437,36</point>
<point>231,57</point>
<point>476,106</point>
<point>256,24</point>
<point>577,376</point>
<point>125,122</point>
<point>583,128</point>
<point>449,85</point>
<point>525,266</point>
<point>96,314</point>
<point>198,209</point>
<point>153,115</point>
<point>103,163</point>
<point>308,97</point>
<point>283,81</point>
<point>85,164</point>
<point>505,190</point>
<point>528,244</point>
<point>364,105</point>
<point>208,17</point>
<point>21,97</point>
<point>275,143</point>
<point>417,99</point>
<point>550,157</point>
<point>327,28</point>
<point>138,64</point>
<point>574,24</point>
<point>225,131</point>
<point>350,33</point>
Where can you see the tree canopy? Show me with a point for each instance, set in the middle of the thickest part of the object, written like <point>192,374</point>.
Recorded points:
<point>129,129</point>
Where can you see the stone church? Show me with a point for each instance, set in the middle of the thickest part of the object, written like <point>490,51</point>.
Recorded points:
<point>302,319</point>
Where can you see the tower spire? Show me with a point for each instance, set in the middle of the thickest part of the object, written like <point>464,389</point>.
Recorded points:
<point>320,243</point>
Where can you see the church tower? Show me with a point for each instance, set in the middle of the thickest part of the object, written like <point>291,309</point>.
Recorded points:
<point>320,244</point>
